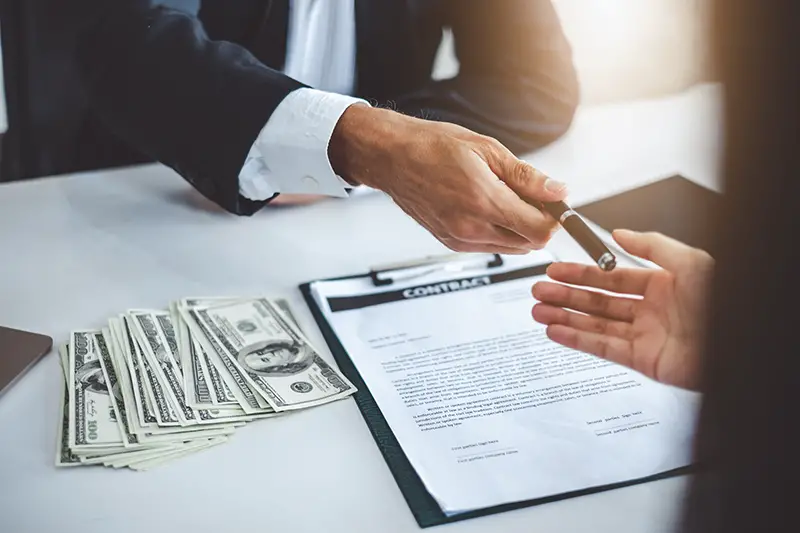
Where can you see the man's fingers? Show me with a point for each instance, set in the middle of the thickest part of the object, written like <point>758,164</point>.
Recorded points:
<point>550,315</point>
<point>497,203</point>
<point>483,248</point>
<point>506,236</point>
<point>518,216</point>
<point>664,251</point>
<point>471,235</point>
<point>529,183</point>
<point>620,280</point>
<point>604,346</point>
<point>592,303</point>
<point>482,232</point>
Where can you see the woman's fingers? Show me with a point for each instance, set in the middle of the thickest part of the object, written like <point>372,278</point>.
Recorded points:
<point>664,251</point>
<point>549,315</point>
<point>620,280</point>
<point>607,347</point>
<point>591,303</point>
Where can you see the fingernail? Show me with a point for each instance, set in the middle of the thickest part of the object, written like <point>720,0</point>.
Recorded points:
<point>552,185</point>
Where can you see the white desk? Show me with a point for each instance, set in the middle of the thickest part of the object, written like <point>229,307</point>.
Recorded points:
<point>78,249</point>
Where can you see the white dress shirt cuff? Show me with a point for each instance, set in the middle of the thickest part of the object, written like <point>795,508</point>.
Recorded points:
<point>290,154</point>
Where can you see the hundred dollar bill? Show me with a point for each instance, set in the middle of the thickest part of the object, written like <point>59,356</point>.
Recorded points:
<point>92,419</point>
<point>158,332</point>
<point>256,340</point>
<point>249,401</point>
<point>142,398</point>
<point>165,411</point>
<point>127,459</point>
<point>167,326</point>
<point>193,376</point>
<point>207,409</point>
<point>205,375</point>
<point>130,455</point>
<point>64,457</point>
<point>157,337</point>
<point>166,414</point>
<point>283,305</point>
<point>105,346</point>
<point>196,386</point>
<point>146,435</point>
<point>129,393</point>
<point>202,382</point>
<point>148,464</point>
<point>175,319</point>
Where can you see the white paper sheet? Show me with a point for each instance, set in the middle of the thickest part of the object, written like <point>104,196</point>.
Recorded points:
<point>487,409</point>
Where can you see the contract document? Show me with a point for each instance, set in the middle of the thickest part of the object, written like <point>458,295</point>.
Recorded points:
<point>487,409</point>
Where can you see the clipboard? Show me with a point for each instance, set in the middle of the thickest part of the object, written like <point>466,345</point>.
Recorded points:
<point>423,506</point>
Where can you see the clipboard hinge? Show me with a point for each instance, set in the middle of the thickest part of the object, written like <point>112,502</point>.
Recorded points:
<point>387,274</point>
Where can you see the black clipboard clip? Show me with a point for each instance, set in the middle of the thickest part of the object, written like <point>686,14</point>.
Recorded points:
<point>387,274</point>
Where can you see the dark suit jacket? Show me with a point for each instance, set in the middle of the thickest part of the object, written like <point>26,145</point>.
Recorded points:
<point>98,83</point>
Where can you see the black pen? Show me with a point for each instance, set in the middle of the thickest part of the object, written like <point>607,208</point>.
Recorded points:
<point>583,235</point>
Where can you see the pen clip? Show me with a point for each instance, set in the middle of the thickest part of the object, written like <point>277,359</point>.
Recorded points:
<point>389,273</point>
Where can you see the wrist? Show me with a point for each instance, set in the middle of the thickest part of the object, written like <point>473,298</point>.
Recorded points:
<point>360,140</point>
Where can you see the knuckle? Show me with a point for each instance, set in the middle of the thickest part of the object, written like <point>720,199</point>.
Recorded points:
<point>522,175</point>
<point>602,349</point>
<point>617,281</point>
<point>599,326</point>
<point>528,177</point>
<point>493,144</point>
<point>616,330</point>
<point>625,309</point>
<point>598,302</point>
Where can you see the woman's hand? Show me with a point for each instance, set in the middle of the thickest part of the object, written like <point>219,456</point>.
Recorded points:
<point>655,327</point>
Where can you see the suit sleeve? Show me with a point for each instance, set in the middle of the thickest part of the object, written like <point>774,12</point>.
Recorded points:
<point>516,80</point>
<point>154,78</point>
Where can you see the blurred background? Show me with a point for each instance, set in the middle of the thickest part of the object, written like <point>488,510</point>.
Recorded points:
<point>623,49</point>
<point>628,49</point>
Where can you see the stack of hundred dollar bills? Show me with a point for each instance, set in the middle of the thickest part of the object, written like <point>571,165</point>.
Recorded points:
<point>153,386</point>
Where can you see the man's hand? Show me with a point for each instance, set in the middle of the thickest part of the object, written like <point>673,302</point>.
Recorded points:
<point>465,188</point>
<point>658,332</point>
